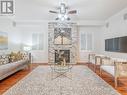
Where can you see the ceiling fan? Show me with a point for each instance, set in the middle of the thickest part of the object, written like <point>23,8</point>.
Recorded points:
<point>62,12</point>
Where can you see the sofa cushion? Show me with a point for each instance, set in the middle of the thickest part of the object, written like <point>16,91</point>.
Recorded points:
<point>4,59</point>
<point>108,69</point>
<point>15,56</point>
<point>25,56</point>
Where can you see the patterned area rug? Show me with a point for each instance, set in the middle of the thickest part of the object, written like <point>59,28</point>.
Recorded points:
<point>82,81</point>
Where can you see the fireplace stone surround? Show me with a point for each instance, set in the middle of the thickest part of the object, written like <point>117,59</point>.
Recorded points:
<point>72,47</point>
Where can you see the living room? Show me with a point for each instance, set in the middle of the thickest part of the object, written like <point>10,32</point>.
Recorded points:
<point>64,41</point>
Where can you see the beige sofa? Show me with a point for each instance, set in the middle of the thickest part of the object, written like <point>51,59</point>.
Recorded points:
<point>7,68</point>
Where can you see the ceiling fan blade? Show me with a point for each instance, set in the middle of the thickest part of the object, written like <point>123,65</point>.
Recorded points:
<point>72,12</point>
<point>53,12</point>
<point>57,18</point>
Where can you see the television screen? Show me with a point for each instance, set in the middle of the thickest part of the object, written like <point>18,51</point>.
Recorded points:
<point>118,44</point>
<point>106,45</point>
<point>110,44</point>
<point>123,44</point>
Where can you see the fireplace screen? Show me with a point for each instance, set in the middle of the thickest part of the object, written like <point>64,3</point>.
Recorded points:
<point>60,54</point>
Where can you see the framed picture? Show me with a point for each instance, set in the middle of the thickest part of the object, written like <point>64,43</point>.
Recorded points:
<point>3,41</point>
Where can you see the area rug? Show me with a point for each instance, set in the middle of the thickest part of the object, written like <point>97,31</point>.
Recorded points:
<point>83,82</point>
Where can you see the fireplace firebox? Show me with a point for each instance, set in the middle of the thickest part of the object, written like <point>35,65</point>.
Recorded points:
<point>60,54</point>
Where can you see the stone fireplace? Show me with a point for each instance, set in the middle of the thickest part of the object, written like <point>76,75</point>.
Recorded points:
<point>62,39</point>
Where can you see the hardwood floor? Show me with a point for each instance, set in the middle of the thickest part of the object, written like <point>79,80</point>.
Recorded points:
<point>13,79</point>
<point>122,86</point>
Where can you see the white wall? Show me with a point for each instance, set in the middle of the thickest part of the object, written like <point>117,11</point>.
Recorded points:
<point>14,38</point>
<point>21,35</point>
<point>117,28</point>
<point>42,56</point>
<point>95,31</point>
<point>38,56</point>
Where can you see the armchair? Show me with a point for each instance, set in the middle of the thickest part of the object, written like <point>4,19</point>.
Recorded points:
<point>114,66</point>
<point>91,58</point>
<point>98,61</point>
<point>107,65</point>
<point>120,70</point>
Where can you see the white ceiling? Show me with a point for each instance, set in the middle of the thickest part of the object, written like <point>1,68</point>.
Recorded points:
<point>87,9</point>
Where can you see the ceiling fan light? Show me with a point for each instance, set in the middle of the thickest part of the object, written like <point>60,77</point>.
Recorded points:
<point>62,19</point>
<point>65,16</point>
<point>59,15</point>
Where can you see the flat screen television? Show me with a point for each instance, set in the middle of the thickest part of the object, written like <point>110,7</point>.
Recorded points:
<point>118,44</point>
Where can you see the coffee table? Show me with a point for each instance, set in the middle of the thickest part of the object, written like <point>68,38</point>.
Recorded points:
<point>61,70</point>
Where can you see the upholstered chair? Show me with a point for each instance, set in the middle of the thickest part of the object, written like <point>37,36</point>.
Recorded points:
<point>120,70</point>
<point>107,64</point>
<point>91,59</point>
<point>98,61</point>
<point>116,67</point>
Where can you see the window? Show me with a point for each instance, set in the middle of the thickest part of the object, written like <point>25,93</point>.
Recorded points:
<point>89,42</point>
<point>86,41</point>
<point>37,41</point>
<point>83,41</point>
